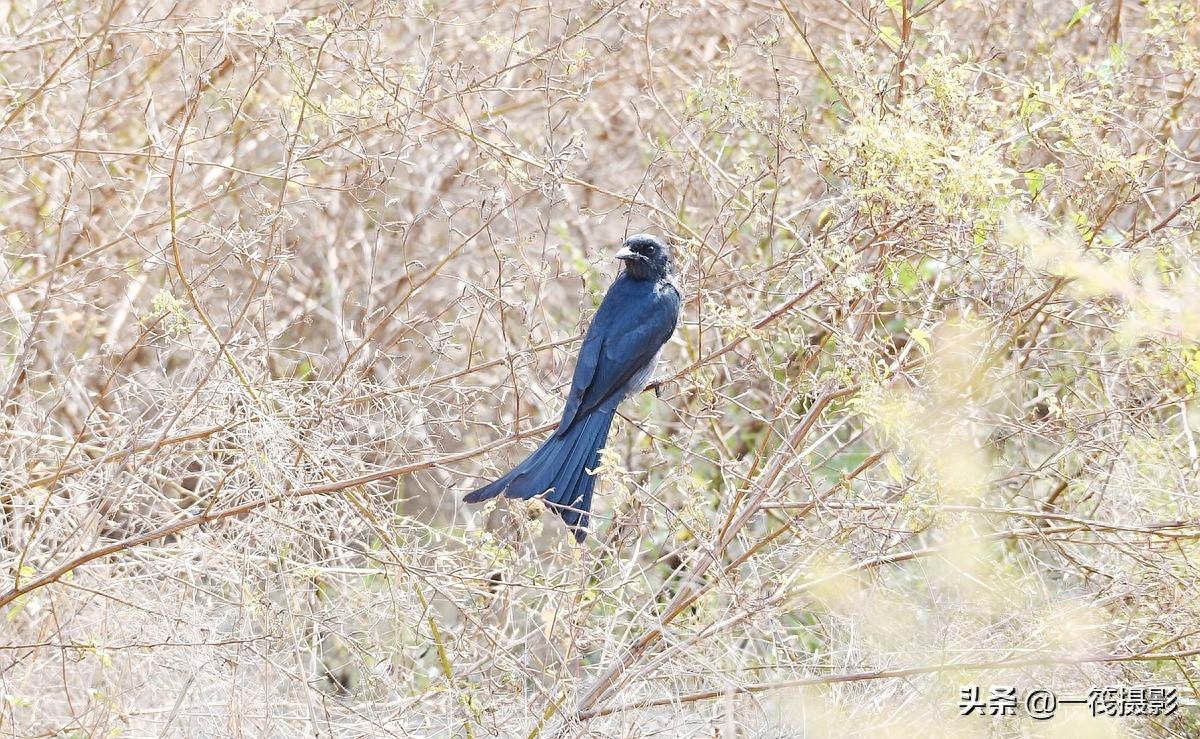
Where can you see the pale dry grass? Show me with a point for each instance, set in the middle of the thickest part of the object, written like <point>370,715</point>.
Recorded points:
<point>281,283</point>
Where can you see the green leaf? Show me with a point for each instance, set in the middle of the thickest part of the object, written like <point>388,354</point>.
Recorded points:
<point>15,609</point>
<point>907,277</point>
<point>893,467</point>
<point>304,371</point>
<point>1079,15</point>
<point>921,336</point>
<point>890,36</point>
<point>980,233</point>
<point>1035,182</point>
<point>1116,55</point>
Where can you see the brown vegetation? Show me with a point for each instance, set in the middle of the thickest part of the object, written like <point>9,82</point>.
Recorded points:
<point>279,284</point>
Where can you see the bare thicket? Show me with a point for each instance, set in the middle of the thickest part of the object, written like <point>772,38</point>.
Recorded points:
<point>279,284</point>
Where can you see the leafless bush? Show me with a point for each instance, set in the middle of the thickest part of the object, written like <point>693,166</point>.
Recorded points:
<point>281,283</point>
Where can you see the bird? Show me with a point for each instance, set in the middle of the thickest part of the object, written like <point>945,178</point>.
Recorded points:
<point>616,360</point>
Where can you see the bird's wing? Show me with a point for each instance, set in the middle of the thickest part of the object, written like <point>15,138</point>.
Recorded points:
<point>585,366</point>
<point>633,323</point>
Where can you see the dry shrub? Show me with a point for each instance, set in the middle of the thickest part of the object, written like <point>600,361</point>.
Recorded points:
<point>280,283</point>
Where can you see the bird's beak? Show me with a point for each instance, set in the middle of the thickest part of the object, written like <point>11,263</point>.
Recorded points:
<point>627,253</point>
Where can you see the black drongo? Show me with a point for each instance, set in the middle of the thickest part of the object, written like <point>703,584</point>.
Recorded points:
<point>635,319</point>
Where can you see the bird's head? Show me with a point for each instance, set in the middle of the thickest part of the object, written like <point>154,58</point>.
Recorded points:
<point>646,257</point>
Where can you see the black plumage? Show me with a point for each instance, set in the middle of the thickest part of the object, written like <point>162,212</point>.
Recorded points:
<point>617,359</point>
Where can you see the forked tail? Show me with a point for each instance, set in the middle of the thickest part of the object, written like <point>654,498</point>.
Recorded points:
<point>559,468</point>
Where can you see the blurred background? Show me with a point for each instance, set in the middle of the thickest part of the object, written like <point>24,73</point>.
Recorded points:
<point>274,273</point>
